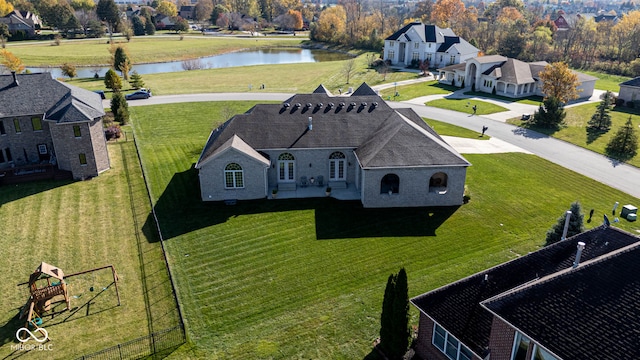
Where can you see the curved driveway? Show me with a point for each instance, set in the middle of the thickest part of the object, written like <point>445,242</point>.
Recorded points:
<point>598,167</point>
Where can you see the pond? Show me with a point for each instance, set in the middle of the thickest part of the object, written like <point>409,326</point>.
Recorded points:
<point>241,58</point>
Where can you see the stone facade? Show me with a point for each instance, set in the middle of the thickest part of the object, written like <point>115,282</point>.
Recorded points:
<point>212,180</point>
<point>414,187</point>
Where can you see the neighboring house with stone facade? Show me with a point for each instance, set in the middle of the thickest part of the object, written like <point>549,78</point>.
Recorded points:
<point>575,299</point>
<point>506,76</point>
<point>46,124</point>
<point>355,144</point>
<point>630,91</point>
<point>417,41</point>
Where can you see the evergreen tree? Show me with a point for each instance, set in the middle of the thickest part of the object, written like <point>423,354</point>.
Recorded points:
<point>149,27</point>
<point>624,145</point>
<point>394,321</point>
<point>576,225</point>
<point>386,318</point>
<point>107,11</point>
<point>136,80</point>
<point>120,108</point>
<point>550,115</point>
<point>601,120</point>
<point>121,61</point>
<point>112,81</point>
<point>138,26</point>
<point>401,333</point>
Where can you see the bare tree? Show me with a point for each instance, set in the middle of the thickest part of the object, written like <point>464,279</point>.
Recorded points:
<point>349,68</point>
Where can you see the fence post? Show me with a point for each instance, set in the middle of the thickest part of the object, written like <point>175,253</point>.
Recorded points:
<point>120,351</point>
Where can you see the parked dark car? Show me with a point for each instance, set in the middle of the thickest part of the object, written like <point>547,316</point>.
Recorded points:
<point>140,94</point>
<point>101,93</point>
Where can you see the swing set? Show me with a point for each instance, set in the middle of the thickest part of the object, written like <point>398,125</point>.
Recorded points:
<point>47,286</point>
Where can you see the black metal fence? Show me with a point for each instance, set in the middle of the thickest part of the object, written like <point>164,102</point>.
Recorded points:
<point>143,346</point>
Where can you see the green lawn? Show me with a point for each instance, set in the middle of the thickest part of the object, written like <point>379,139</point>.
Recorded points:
<point>466,106</point>
<point>447,129</point>
<point>79,226</point>
<point>141,49</point>
<point>530,100</point>
<point>575,129</point>
<point>412,91</point>
<point>290,78</point>
<point>606,81</point>
<point>305,278</point>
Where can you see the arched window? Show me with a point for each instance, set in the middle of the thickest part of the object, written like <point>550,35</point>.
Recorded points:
<point>233,176</point>
<point>337,166</point>
<point>390,184</point>
<point>438,183</point>
<point>286,167</point>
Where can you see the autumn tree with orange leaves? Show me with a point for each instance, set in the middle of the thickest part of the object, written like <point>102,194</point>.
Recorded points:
<point>10,61</point>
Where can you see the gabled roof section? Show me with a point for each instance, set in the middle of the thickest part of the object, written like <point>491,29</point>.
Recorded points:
<point>461,67</point>
<point>635,82</point>
<point>337,122</point>
<point>449,41</point>
<point>590,312</point>
<point>456,306</point>
<point>322,90</point>
<point>364,90</point>
<point>402,143</point>
<point>516,72</point>
<point>235,142</point>
<point>396,35</point>
<point>40,94</point>
<point>491,59</point>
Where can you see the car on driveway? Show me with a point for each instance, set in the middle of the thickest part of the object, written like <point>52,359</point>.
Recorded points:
<point>140,94</point>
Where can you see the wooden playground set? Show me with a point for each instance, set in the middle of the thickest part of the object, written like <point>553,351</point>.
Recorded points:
<point>47,287</point>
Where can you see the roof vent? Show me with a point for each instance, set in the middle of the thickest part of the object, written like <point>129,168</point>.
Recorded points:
<point>308,105</point>
<point>286,105</point>
<point>330,105</point>
<point>375,104</point>
<point>319,105</point>
<point>297,105</point>
<point>341,104</point>
<point>310,127</point>
<point>566,226</point>
<point>353,104</point>
<point>578,254</point>
<point>15,78</point>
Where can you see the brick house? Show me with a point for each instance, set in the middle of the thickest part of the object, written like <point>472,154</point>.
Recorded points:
<point>45,123</point>
<point>357,145</point>
<point>576,299</point>
<point>417,41</point>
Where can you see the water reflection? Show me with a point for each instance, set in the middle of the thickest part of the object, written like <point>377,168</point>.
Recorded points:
<point>241,58</point>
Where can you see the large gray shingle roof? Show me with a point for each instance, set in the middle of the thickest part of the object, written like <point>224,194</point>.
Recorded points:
<point>381,136</point>
<point>40,94</point>
<point>457,306</point>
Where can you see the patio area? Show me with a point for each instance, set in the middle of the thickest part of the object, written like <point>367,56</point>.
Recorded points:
<point>348,193</point>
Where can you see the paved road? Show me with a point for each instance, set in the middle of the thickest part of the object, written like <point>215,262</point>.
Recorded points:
<point>607,171</point>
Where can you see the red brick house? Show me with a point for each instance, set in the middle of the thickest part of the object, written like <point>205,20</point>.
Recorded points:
<point>555,303</point>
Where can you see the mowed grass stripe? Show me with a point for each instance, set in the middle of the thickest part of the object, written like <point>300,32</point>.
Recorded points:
<point>282,279</point>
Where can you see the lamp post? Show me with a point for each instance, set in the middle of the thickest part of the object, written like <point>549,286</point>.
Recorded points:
<point>395,90</point>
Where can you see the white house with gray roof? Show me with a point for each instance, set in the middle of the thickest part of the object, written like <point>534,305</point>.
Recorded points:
<point>630,90</point>
<point>358,144</point>
<point>509,77</point>
<point>46,123</point>
<point>417,41</point>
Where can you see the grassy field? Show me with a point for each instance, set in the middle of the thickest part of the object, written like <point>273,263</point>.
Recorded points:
<point>79,226</point>
<point>290,78</point>
<point>606,81</point>
<point>141,49</point>
<point>575,129</point>
<point>466,106</point>
<point>305,278</point>
<point>408,92</point>
<point>447,129</point>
